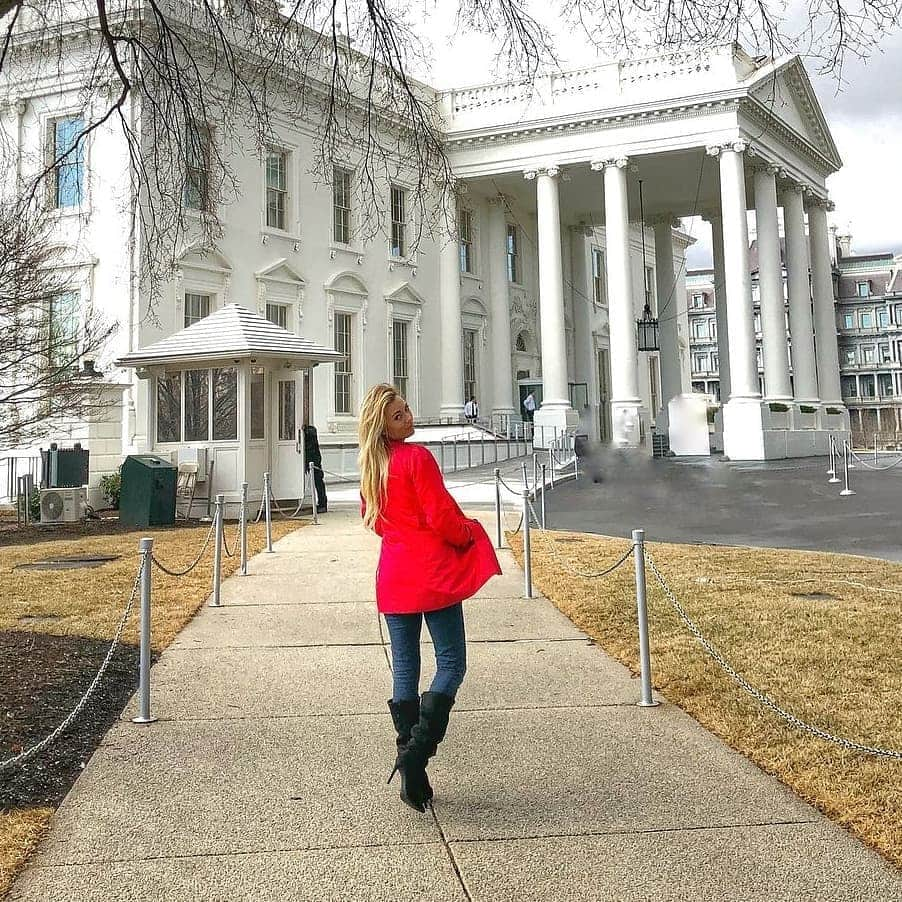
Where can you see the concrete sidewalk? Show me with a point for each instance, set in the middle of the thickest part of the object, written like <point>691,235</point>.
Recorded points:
<point>265,777</point>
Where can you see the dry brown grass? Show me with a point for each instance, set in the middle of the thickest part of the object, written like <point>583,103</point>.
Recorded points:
<point>89,602</point>
<point>832,661</point>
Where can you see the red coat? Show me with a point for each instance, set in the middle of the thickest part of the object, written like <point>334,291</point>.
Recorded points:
<point>432,556</point>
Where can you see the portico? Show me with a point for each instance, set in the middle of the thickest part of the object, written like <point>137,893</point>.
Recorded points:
<point>709,132</point>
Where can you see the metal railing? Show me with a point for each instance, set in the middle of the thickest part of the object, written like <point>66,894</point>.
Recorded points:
<point>14,466</point>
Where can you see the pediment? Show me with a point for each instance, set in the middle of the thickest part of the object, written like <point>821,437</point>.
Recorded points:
<point>281,271</point>
<point>347,282</point>
<point>198,257</point>
<point>787,94</point>
<point>405,293</point>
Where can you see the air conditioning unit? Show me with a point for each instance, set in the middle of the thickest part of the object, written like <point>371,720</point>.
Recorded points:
<point>191,460</point>
<point>63,505</point>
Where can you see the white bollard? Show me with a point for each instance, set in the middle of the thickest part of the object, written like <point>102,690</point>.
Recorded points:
<point>647,700</point>
<point>497,508</point>
<point>527,550</point>
<point>847,465</point>
<point>875,449</point>
<point>217,551</point>
<point>267,511</point>
<point>831,447</point>
<point>145,549</point>
<point>314,499</point>
<point>243,528</point>
<point>543,496</point>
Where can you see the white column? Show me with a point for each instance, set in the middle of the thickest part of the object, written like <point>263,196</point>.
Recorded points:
<point>770,281</point>
<point>452,355</point>
<point>555,414</point>
<point>804,373</point>
<point>668,307</point>
<point>720,308</point>
<point>502,377</point>
<point>742,416</point>
<point>583,315</point>
<point>737,278</point>
<point>824,305</point>
<point>625,401</point>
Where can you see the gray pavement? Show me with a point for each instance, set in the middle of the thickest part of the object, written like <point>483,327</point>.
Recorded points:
<point>776,504</point>
<point>264,778</point>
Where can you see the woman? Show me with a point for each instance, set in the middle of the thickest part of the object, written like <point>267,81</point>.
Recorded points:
<point>432,558</point>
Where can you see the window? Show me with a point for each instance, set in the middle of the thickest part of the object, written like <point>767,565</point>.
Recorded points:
<point>849,387</point>
<point>715,363</point>
<point>400,373</point>
<point>469,364</point>
<point>197,180</point>
<point>650,298</point>
<point>276,189</point>
<point>884,355</point>
<point>698,386</point>
<point>197,306</point>
<point>699,328</point>
<point>258,402</point>
<point>225,404</point>
<point>68,155</point>
<point>197,405</point>
<point>863,289</point>
<point>885,385</point>
<point>465,229</point>
<point>599,289</point>
<point>715,390</point>
<point>866,319</point>
<point>867,387</point>
<point>62,333</point>
<point>867,354</point>
<point>398,221</point>
<point>897,314</point>
<point>513,254</point>
<point>698,301</point>
<point>169,408</point>
<point>654,393</point>
<point>757,319</point>
<point>849,357</point>
<point>759,359</point>
<point>756,293</point>
<point>341,205</point>
<point>287,409</point>
<point>848,321</point>
<point>700,363</point>
<point>277,314</point>
<point>883,317</point>
<point>343,368</point>
<point>521,343</point>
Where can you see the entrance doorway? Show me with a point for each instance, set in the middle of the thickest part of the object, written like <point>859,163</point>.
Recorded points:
<point>524,387</point>
<point>603,362</point>
<point>287,462</point>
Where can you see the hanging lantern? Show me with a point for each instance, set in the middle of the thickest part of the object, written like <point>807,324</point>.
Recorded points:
<point>647,331</point>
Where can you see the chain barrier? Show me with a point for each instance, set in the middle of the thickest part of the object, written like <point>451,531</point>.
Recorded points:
<point>871,466</point>
<point>757,694</point>
<point>794,581</point>
<point>225,543</point>
<point>194,563</point>
<point>25,755</point>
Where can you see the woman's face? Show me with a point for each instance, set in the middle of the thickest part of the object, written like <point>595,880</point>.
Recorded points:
<point>398,420</point>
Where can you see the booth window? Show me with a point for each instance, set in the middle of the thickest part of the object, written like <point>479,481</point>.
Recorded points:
<point>169,408</point>
<point>258,402</point>
<point>225,404</point>
<point>197,405</point>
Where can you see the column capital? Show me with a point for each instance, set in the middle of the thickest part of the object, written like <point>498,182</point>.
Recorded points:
<point>813,199</point>
<point>711,215</point>
<point>552,171</point>
<point>738,146</point>
<point>665,219</point>
<point>620,162</point>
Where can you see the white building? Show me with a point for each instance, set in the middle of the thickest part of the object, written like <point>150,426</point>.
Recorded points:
<point>541,288</point>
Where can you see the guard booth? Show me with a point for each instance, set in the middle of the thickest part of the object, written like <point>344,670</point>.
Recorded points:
<point>233,384</point>
<point>147,493</point>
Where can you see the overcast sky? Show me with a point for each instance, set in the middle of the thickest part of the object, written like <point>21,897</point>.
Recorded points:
<point>864,114</point>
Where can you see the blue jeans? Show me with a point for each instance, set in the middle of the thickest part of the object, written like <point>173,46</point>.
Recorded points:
<point>447,630</point>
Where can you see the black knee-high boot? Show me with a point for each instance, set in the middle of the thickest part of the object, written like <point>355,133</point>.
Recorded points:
<point>415,788</point>
<point>425,736</point>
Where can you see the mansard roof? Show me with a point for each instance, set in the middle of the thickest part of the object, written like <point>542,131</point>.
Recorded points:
<point>231,333</point>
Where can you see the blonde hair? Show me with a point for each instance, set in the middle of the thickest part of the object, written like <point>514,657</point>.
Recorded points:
<point>372,460</point>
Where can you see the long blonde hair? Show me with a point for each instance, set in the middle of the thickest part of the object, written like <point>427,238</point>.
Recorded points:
<point>372,460</point>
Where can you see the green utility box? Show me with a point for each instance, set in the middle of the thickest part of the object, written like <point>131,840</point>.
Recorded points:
<point>147,496</point>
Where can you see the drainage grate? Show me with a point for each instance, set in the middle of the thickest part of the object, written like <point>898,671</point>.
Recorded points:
<point>70,562</point>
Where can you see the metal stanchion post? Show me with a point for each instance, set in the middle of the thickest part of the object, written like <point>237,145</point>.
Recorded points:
<point>525,479</point>
<point>543,496</point>
<point>527,551</point>
<point>551,465</point>
<point>847,450</point>
<point>849,461</point>
<point>875,449</point>
<point>647,700</point>
<point>497,507</point>
<point>314,499</point>
<point>535,471</point>
<point>145,548</point>
<point>442,446</point>
<point>267,508</point>
<point>831,448</point>
<point>243,529</point>
<point>218,527</point>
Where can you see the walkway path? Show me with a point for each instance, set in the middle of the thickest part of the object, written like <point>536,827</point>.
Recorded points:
<point>264,779</point>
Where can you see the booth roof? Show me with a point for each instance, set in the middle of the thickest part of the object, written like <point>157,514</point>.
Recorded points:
<point>232,332</point>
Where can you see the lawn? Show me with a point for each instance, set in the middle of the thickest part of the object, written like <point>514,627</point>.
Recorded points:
<point>55,629</point>
<point>819,633</point>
